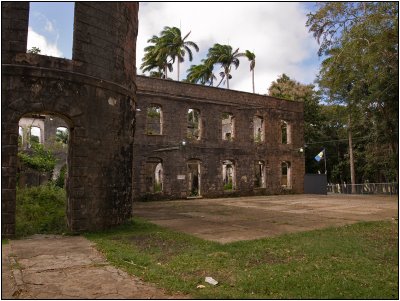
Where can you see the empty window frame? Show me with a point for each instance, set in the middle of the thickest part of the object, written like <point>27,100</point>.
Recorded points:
<point>259,174</point>
<point>20,136</point>
<point>228,126</point>
<point>228,175</point>
<point>286,175</point>
<point>35,135</point>
<point>285,132</point>
<point>154,120</point>
<point>48,21</point>
<point>194,178</point>
<point>258,125</point>
<point>62,135</point>
<point>193,124</point>
<point>154,178</point>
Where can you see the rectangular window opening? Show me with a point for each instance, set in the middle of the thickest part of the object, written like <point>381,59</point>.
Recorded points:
<point>50,29</point>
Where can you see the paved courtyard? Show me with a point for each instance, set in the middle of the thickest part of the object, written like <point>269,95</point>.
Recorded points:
<point>233,219</point>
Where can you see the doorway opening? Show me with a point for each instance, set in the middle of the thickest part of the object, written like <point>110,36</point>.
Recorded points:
<point>194,178</point>
<point>42,175</point>
<point>154,175</point>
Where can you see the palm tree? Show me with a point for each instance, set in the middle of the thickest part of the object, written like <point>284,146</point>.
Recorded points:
<point>156,57</point>
<point>252,58</point>
<point>202,73</point>
<point>223,55</point>
<point>176,46</point>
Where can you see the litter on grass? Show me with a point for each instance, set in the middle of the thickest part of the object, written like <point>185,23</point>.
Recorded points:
<point>211,281</point>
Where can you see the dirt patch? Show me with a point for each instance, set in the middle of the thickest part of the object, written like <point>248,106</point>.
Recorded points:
<point>233,219</point>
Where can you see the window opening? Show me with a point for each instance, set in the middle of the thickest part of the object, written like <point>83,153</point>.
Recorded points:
<point>286,175</point>
<point>20,137</point>
<point>228,175</point>
<point>285,133</point>
<point>259,174</point>
<point>193,129</point>
<point>154,175</point>
<point>35,135</point>
<point>194,178</point>
<point>154,120</point>
<point>50,29</point>
<point>62,136</point>
<point>227,127</point>
<point>258,129</point>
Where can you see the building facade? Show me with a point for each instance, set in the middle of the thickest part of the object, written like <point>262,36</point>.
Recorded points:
<point>198,141</point>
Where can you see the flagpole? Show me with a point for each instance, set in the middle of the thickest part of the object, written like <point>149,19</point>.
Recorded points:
<point>325,160</point>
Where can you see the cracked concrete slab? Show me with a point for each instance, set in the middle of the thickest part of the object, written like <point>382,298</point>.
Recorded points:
<point>231,219</point>
<point>67,267</point>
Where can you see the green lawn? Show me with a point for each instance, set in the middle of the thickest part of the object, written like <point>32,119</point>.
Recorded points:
<point>358,261</point>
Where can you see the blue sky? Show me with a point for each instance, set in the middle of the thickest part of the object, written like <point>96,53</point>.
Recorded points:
<point>275,31</point>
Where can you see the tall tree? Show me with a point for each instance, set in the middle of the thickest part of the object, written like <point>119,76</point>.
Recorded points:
<point>252,58</point>
<point>224,56</point>
<point>176,47</point>
<point>155,59</point>
<point>287,88</point>
<point>360,69</point>
<point>202,73</point>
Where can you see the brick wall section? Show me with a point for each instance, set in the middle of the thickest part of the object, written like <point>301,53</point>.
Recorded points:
<point>176,98</point>
<point>94,94</point>
<point>14,22</point>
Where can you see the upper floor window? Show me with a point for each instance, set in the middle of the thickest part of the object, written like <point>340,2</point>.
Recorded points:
<point>228,125</point>
<point>285,132</point>
<point>193,124</point>
<point>258,123</point>
<point>50,28</point>
<point>154,120</point>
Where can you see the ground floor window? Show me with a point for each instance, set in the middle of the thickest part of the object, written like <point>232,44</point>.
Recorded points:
<point>259,174</point>
<point>194,178</point>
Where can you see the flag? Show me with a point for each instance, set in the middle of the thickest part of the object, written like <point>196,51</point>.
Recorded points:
<point>320,155</point>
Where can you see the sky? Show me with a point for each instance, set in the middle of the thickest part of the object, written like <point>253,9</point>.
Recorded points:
<point>274,31</point>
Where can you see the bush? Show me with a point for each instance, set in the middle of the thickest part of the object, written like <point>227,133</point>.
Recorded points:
<point>40,210</point>
<point>38,159</point>
<point>60,181</point>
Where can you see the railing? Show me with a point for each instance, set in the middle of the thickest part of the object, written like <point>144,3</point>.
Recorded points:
<point>366,188</point>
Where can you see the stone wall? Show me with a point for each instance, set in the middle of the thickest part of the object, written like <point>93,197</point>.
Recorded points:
<point>93,93</point>
<point>175,98</point>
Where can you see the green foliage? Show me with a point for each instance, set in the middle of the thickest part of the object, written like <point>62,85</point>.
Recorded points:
<point>229,185</point>
<point>38,158</point>
<point>157,187</point>
<point>60,181</point>
<point>202,73</point>
<point>224,56</point>
<point>34,50</point>
<point>358,261</point>
<point>169,45</point>
<point>40,210</point>
<point>62,136</point>
<point>360,71</point>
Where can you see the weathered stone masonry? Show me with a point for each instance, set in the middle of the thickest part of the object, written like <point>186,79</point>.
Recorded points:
<point>94,93</point>
<point>210,151</point>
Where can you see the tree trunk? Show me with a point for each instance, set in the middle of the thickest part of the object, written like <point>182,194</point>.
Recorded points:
<point>227,80</point>
<point>252,77</point>
<point>352,170</point>
<point>178,69</point>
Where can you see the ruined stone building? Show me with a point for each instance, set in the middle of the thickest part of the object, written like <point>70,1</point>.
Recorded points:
<point>198,141</point>
<point>190,140</point>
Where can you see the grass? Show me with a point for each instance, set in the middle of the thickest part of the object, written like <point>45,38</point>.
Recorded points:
<point>41,210</point>
<point>358,261</point>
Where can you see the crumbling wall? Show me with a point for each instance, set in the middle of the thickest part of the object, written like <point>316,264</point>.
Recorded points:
<point>175,98</point>
<point>94,93</point>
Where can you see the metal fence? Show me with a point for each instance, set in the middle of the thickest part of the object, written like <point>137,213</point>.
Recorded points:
<point>366,188</point>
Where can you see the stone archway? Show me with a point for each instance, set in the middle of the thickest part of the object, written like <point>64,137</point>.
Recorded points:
<point>94,93</point>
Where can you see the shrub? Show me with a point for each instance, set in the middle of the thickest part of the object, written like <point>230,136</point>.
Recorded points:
<point>40,210</point>
<point>38,158</point>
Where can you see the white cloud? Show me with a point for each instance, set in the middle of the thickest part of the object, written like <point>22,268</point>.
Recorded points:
<point>275,32</point>
<point>49,26</point>
<point>47,48</point>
